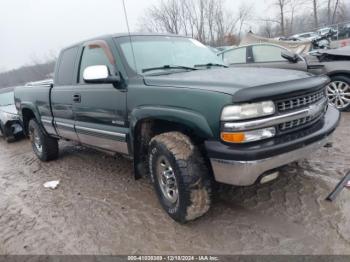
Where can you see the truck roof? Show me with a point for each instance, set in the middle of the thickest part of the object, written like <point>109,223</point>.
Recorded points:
<point>109,36</point>
<point>145,34</point>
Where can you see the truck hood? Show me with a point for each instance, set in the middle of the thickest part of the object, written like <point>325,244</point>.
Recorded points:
<point>10,109</point>
<point>245,84</point>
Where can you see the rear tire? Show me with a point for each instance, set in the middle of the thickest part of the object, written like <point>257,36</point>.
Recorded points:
<point>180,177</point>
<point>45,147</point>
<point>338,92</point>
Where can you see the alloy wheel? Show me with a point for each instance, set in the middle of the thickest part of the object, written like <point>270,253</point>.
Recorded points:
<point>338,93</point>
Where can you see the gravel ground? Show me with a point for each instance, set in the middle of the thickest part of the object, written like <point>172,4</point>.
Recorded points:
<point>99,209</point>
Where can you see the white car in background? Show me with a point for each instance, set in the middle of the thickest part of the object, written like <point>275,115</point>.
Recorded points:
<point>309,36</point>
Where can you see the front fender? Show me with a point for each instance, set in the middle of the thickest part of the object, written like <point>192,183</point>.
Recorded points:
<point>187,118</point>
<point>338,72</point>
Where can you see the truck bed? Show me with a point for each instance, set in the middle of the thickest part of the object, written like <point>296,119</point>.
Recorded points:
<point>36,97</point>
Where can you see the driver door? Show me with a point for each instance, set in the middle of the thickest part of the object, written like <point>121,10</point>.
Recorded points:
<point>100,109</point>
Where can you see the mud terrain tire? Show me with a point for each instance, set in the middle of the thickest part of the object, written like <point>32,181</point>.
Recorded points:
<point>174,156</point>
<point>45,147</point>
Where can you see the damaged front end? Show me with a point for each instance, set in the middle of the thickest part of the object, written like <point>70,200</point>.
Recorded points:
<point>11,126</point>
<point>329,55</point>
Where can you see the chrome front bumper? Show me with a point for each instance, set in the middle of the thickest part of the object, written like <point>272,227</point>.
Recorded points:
<point>245,165</point>
<point>246,173</point>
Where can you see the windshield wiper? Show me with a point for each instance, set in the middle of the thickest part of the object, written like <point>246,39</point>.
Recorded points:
<point>166,67</point>
<point>211,64</point>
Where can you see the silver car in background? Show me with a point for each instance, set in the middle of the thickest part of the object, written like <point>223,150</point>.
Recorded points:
<point>10,124</point>
<point>310,36</point>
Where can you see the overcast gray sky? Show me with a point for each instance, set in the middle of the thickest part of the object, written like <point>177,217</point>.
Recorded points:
<point>32,30</point>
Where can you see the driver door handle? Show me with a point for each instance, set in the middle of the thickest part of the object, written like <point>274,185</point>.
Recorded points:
<point>76,98</point>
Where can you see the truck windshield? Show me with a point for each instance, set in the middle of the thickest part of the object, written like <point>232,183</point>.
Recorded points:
<point>171,54</point>
<point>7,99</point>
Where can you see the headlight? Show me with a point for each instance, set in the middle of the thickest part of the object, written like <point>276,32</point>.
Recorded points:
<point>11,117</point>
<point>247,111</point>
<point>248,136</point>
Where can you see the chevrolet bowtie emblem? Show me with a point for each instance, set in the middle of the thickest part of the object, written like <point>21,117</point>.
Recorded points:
<point>316,109</point>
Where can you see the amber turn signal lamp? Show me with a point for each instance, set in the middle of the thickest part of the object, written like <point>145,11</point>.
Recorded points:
<point>233,137</point>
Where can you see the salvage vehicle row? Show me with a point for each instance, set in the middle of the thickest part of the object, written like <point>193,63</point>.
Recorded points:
<point>334,63</point>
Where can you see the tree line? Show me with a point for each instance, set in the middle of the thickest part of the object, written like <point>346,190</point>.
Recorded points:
<point>25,74</point>
<point>220,22</point>
<point>297,16</point>
<point>209,21</point>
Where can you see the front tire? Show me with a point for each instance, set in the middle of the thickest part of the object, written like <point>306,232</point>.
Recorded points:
<point>180,177</point>
<point>338,92</point>
<point>45,147</point>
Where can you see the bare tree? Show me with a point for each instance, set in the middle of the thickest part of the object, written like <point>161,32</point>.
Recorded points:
<point>209,21</point>
<point>282,4</point>
<point>225,24</point>
<point>333,8</point>
<point>329,4</point>
<point>295,6</point>
<point>335,11</point>
<point>244,14</point>
<point>343,13</point>
<point>315,11</point>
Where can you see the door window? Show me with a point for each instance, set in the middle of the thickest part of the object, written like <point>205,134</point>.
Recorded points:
<point>66,66</point>
<point>267,53</point>
<point>93,55</point>
<point>235,56</point>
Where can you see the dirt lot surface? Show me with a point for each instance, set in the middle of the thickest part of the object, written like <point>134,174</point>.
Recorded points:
<point>99,209</point>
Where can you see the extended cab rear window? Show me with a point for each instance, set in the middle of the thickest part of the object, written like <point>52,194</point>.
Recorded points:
<point>67,66</point>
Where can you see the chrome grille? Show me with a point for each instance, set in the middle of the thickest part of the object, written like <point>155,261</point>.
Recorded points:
<point>301,101</point>
<point>298,122</point>
<point>294,124</point>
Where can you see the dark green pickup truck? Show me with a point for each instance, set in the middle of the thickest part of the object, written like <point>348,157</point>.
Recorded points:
<point>184,118</point>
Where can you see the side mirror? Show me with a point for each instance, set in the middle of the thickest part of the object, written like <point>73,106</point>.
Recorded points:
<point>291,57</point>
<point>99,74</point>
